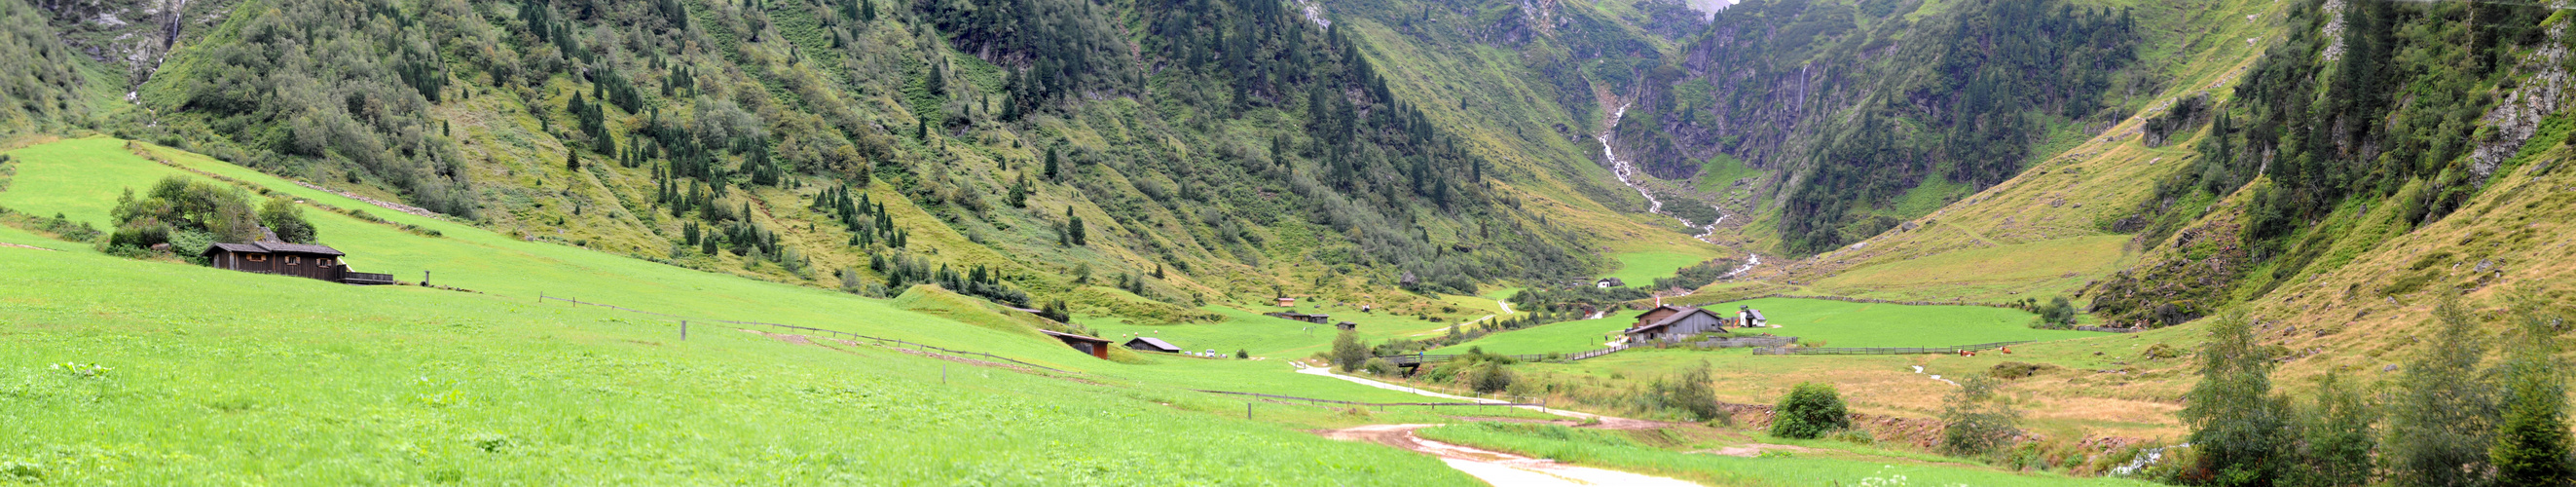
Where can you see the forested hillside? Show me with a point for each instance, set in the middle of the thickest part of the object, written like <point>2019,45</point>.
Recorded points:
<point>1143,157</point>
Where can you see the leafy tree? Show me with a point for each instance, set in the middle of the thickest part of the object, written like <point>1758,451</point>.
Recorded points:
<point>2240,429</point>
<point>2531,445</point>
<point>190,214</point>
<point>2337,430</point>
<point>1691,394</point>
<point>1809,411</point>
<point>1976,418</point>
<point>2443,422</point>
<point>1347,350</point>
<point>284,217</point>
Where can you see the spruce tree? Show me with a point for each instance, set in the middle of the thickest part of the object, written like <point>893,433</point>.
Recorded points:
<point>2337,430</point>
<point>2239,427</point>
<point>2531,441</point>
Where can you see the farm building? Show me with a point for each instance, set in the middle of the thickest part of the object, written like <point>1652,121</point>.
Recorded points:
<point>1672,326</point>
<point>281,258</point>
<point>1658,313</point>
<point>1347,325</point>
<point>1286,302</point>
<point>1096,347</point>
<point>1747,317</point>
<point>1151,344</point>
<point>1316,319</point>
<point>1610,283</point>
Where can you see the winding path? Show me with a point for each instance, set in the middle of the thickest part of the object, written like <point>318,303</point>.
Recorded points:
<point>1497,468</point>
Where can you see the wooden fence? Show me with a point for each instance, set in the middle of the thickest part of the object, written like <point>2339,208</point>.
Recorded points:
<point>1881,350</point>
<point>2107,329</point>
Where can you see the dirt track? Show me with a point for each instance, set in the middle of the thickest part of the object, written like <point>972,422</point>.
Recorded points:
<point>1497,468</point>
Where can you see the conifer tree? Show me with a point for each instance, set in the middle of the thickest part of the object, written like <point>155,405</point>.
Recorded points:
<point>2443,421</point>
<point>2531,445</point>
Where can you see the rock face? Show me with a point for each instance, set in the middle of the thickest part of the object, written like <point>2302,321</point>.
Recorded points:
<point>2517,119</point>
<point>135,34</point>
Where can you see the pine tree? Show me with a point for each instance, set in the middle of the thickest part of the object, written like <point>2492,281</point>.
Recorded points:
<point>1051,164</point>
<point>2239,427</point>
<point>2531,446</point>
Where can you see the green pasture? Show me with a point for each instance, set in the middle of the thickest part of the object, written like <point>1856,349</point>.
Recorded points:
<point>1819,322</point>
<point>1565,337</point>
<point>2036,269</point>
<point>1825,466</point>
<point>223,377</point>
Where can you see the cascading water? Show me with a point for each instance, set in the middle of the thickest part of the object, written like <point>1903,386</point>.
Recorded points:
<point>1627,173</point>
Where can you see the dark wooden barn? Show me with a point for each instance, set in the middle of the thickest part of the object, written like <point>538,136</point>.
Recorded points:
<point>1316,319</point>
<point>1347,325</point>
<point>1672,326</point>
<point>1096,347</point>
<point>1151,344</point>
<point>288,259</point>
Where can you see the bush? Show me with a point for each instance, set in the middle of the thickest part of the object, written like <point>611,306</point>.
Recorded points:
<point>1378,366</point>
<point>1491,378</point>
<point>1347,352</point>
<point>1809,411</point>
<point>1976,418</point>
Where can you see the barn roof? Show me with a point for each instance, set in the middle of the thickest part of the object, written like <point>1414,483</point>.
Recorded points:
<point>1155,343</point>
<point>275,248</point>
<point>1070,336</point>
<point>1674,307</point>
<point>1675,318</point>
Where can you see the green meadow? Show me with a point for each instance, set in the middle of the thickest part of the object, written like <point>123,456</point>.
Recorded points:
<point>1814,321</point>
<point>159,372</point>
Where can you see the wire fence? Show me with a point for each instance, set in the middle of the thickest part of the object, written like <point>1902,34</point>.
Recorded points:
<point>1381,405</point>
<point>881,341</point>
<point>1882,350</point>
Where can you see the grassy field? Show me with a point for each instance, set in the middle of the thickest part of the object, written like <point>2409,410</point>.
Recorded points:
<point>2039,269</point>
<point>1814,321</point>
<point>1566,337</point>
<point>209,376</point>
<point>1814,467</point>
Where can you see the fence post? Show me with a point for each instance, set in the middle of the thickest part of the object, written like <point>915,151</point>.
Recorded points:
<point>684,330</point>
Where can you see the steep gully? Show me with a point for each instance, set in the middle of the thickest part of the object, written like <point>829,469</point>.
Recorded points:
<point>1627,172</point>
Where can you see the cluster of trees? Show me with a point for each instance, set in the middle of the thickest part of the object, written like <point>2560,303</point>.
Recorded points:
<point>2000,72</point>
<point>318,83</point>
<point>2056,313</point>
<point>869,225</point>
<point>2336,120</point>
<point>192,215</point>
<point>903,271</point>
<point>2445,421</point>
<point>1697,275</point>
<point>44,84</point>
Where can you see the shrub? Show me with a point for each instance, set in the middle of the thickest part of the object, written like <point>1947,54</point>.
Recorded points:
<point>2019,370</point>
<point>1377,366</point>
<point>1347,352</point>
<point>1809,411</point>
<point>1491,378</point>
<point>1240,354</point>
<point>1976,418</point>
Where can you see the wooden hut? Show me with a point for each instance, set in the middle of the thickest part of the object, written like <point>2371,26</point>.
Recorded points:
<point>1673,326</point>
<point>1347,325</point>
<point>1287,302</point>
<point>1309,318</point>
<point>290,259</point>
<point>1151,344</point>
<point>1096,347</point>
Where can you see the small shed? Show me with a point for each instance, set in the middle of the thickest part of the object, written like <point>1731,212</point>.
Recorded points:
<point>1672,327</point>
<point>1610,283</point>
<point>1285,302</point>
<point>1151,344</point>
<point>1098,348</point>
<point>1748,317</point>
<point>1347,325</point>
<point>1309,318</point>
